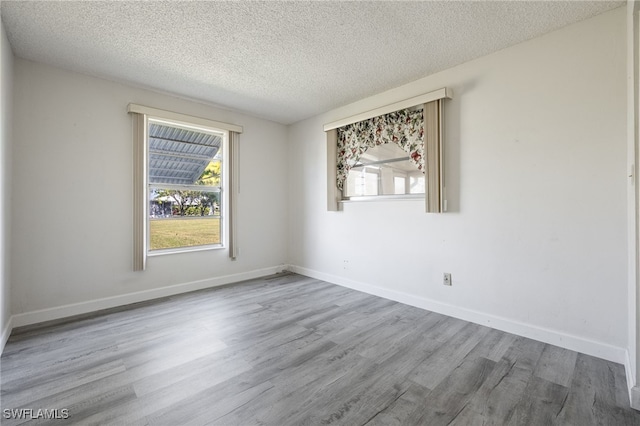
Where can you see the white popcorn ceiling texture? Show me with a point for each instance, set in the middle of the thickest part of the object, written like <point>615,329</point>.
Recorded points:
<point>283,61</point>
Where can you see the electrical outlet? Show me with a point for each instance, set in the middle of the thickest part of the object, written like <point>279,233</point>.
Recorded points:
<point>447,279</point>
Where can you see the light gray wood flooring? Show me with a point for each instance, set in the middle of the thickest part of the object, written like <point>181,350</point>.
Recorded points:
<point>290,350</point>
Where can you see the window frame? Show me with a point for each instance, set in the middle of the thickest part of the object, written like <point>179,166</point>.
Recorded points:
<point>218,189</point>
<point>230,181</point>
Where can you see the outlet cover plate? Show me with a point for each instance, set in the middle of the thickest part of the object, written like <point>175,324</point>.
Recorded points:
<point>447,279</point>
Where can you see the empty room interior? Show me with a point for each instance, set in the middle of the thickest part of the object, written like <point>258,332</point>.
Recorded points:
<point>324,212</point>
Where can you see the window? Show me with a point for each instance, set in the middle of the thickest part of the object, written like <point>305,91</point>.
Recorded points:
<point>186,176</point>
<point>383,170</point>
<point>185,184</point>
<point>394,150</point>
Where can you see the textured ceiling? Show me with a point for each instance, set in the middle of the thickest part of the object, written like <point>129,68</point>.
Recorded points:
<point>284,61</point>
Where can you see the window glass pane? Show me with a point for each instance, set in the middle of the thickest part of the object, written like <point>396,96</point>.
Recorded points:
<point>179,218</point>
<point>416,184</point>
<point>212,173</point>
<point>384,170</point>
<point>400,184</point>
<point>184,156</point>
<point>183,159</point>
<point>370,182</point>
<point>362,182</point>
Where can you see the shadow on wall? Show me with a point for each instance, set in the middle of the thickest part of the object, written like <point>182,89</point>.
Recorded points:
<point>451,138</point>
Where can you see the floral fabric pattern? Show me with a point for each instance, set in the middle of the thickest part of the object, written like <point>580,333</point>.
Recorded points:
<point>404,128</point>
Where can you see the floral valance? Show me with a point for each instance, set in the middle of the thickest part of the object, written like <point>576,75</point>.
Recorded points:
<point>404,128</point>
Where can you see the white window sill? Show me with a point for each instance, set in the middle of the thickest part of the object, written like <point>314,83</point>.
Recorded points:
<point>406,197</point>
<point>184,250</point>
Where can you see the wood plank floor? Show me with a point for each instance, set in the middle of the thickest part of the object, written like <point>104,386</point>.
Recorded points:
<point>290,350</point>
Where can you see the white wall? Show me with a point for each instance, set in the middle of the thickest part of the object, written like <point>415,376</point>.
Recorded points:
<point>72,188</point>
<point>6,90</point>
<point>536,180</point>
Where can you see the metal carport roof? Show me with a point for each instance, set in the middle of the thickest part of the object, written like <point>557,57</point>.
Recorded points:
<point>179,156</point>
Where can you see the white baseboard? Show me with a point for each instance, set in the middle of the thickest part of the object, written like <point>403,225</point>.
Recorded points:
<point>6,332</point>
<point>59,312</point>
<point>634,397</point>
<point>553,337</point>
<point>634,391</point>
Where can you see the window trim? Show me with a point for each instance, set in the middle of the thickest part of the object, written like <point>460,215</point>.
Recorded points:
<point>187,120</point>
<point>141,115</point>
<point>444,93</point>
